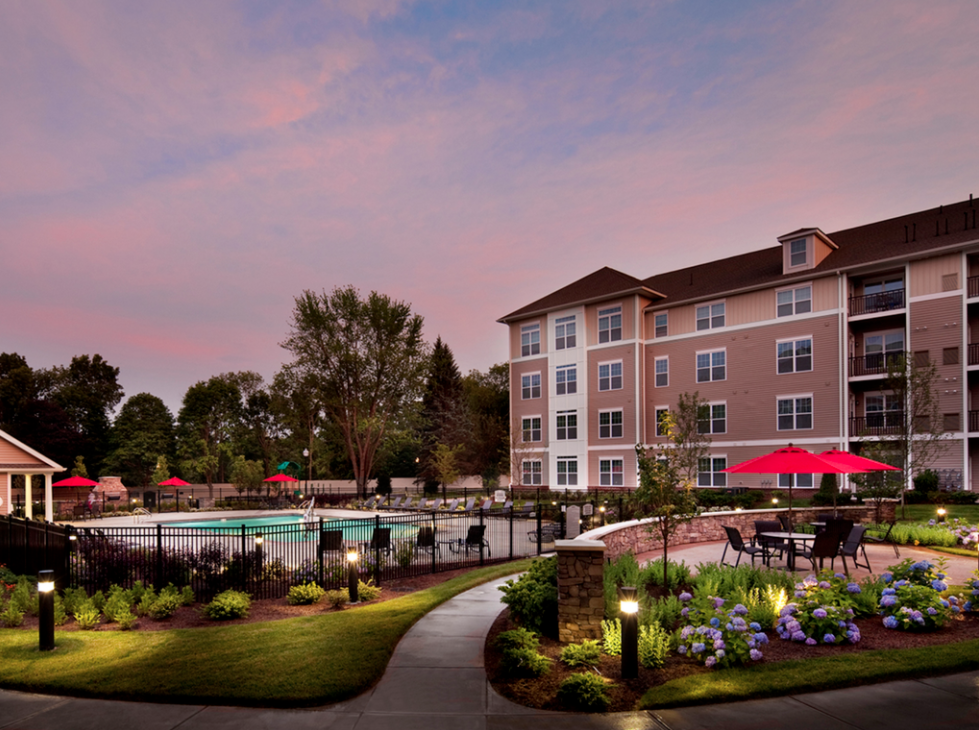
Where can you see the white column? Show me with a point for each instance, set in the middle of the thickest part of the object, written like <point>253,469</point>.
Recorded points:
<point>5,493</point>
<point>48,499</point>
<point>28,507</point>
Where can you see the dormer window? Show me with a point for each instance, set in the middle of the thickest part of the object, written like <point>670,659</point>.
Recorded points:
<point>798,253</point>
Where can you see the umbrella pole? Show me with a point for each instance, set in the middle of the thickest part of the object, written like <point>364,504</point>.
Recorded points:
<point>791,526</point>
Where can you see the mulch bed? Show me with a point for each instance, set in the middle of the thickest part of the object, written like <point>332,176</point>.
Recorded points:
<point>541,693</point>
<point>273,609</point>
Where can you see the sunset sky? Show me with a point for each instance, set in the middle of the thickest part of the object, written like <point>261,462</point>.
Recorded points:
<point>173,174</point>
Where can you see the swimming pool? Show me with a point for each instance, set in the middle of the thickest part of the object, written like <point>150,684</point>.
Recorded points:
<point>290,528</point>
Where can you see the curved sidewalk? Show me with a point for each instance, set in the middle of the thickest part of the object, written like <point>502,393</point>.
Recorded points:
<point>436,681</point>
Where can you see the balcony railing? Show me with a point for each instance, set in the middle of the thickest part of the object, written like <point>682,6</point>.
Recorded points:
<point>973,282</point>
<point>974,354</point>
<point>888,423</point>
<point>973,421</point>
<point>880,302</point>
<point>874,364</point>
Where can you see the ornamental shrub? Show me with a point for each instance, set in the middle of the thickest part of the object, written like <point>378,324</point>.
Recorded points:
<point>164,606</point>
<point>117,607</point>
<point>972,604</point>
<point>532,597</point>
<point>73,598</point>
<point>368,591</point>
<point>228,605</point>
<point>912,600</point>
<point>60,615</point>
<point>586,654</point>
<point>87,616</point>
<point>187,596</point>
<point>612,637</point>
<point>337,599</point>
<point>823,611</point>
<point>584,692</point>
<point>517,639</point>
<point>404,554</point>
<point>146,602</point>
<point>12,617</point>
<point>305,595</point>
<point>654,645</point>
<point>718,637</point>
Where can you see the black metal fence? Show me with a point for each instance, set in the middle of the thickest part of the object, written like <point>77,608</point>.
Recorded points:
<point>27,547</point>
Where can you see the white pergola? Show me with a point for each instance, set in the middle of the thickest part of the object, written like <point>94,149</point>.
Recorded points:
<point>19,458</point>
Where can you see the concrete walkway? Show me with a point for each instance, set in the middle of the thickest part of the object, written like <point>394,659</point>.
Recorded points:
<point>436,681</point>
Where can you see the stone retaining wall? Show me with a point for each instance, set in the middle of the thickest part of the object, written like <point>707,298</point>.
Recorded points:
<point>581,590</point>
<point>635,536</point>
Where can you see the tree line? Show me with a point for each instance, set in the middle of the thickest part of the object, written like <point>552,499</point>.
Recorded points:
<point>363,397</point>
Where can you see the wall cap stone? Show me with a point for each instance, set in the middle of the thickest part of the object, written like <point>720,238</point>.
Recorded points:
<point>578,545</point>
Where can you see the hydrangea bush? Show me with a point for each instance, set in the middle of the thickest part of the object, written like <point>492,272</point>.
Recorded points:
<point>972,604</point>
<point>823,612</point>
<point>912,600</point>
<point>719,637</point>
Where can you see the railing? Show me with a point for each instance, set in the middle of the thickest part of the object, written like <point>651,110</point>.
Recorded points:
<point>888,423</point>
<point>973,421</point>
<point>974,354</point>
<point>27,547</point>
<point>873,364</point>
<point>880,302</point>
<point>973,284</point>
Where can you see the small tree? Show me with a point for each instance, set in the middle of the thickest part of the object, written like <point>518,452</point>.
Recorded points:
<point>79,469</point>
<point>828,490</point>
<point>445,464</point>
<point>665,492</point>
<point>247,475</point>
<point>879,485</point>
<point>689,434</point>
<point>162,471</point>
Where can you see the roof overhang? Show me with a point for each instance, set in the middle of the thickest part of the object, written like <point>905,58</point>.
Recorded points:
<point>641,290</point>
<point>49,465</point>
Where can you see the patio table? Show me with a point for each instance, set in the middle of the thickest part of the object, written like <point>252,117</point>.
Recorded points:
<point>791,538</point>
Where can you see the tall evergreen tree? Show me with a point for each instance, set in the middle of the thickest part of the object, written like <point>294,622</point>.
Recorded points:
<point>443,409</point>
<point>142,433</point>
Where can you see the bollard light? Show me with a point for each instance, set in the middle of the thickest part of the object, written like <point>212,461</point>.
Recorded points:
<point>941,514</point>
<point>259,539</point>
<point>45,596</point>
<point>737,509</point>
<point>353,577</point>
<point>775,500</point>
<point>629,608</point>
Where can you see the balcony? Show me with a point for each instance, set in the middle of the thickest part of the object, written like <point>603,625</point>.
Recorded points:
<point>973,283</point>
<point>974,354</point>
<point>880,302</point>
<point>973,421</point>
<point>874,364</point>
<point>888,423</point>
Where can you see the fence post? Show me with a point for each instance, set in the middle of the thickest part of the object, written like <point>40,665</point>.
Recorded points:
<point>319,555</point>
<point>511,530</point>
<point>482,555</point>
<point>377,552</point>
<point>538,526</point>
<point>435,543</point>
<point>158,577</point>
<point>244,558</point>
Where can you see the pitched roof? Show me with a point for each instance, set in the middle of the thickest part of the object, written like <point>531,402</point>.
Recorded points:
<point>602,284</point>
<point>42,463</point>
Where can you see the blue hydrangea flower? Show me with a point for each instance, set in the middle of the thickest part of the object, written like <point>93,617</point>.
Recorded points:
<point>798,636</point>
<point>954,599</point>
<point>839,575</point>
<point>685,612</point>
<point>685,596</point>
<point>793,626</point>
<point>754,626</point>
<point>890,622</point>
<point>755,655</point>
<point>719,644</point>
<point>901,583</point>
<point>718,602</point>
<point>741,610</point>
<point>719,654</point>
<point>932,611</point>
<point>887,577</point>
<point>761,638</point>
<point>888,592</point>
<point>710,661</point>
<point>819,613</point>
<point>938,585</point>
<point>681,649</point>
<point>829,639</point>
<point>824,585</point>
<point>888,601</point>
<point>698,648</point>
<point>811,641</point>
<point>715,622</point>
<point>852,588</point>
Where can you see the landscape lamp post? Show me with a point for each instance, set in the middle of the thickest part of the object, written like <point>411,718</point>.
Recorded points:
<point>45,595</point>
<point>941,514</point>
<point>308,466</point>
<point>629,608</point>
<point>259,558</point>
<point>352,577</point>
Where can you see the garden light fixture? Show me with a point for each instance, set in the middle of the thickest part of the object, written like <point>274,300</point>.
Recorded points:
<point>941,514</point>
<point>629,608</point>
<point>45,615</point>
<point>775,501</point>
<point>352,577</point>
<point>259,540</point>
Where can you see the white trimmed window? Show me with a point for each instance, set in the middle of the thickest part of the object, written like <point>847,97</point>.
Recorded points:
<point>564,333</point>
<point>610,375</point>
<point>567,471</point>
<point>662,367</point>
<point>530,386</point>
<point>795,413</point>
<point>530,340</point>
<point>883,410</point>
<point>711,366</point>
<point>567,425</point>
<point>661,322</point>
<point>661,412</point>
<point>798,481</point>
<point>881,348</point>
<point>531,429</point>
<point>610,472</point>
<point>710,316</point>
<point>798,253</point>
<point>710,472</point>
<point>793,301</point>
<point>712,418</point>
<point>532,473</point>
<point>794,356</point>
<point>566,379</point>
<point>610,424</point>
<point>609,324</point>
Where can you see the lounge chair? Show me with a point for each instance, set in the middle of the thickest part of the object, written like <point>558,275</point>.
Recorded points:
<point>508,505</point>
<point>426,539</point>
<point>436,504</point>
<point>452,506</point>
<point>395,504</point>
<point>380,502</point>
<point>423,503</point>
<point>487,505</point>
<point>549,532</point>
<point>407,503</point>
<point>369,504</point>
<point>737,543</point>
<point>527,509</point>
<point>470,505</point>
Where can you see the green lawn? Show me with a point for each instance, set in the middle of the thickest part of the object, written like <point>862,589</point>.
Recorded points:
<point>295,662</point>
<point>925,512</point>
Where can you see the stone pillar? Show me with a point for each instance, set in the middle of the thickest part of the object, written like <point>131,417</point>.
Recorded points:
<point>580,587</point>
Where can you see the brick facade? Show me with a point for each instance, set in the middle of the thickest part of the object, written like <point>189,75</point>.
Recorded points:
<point>581,593</point>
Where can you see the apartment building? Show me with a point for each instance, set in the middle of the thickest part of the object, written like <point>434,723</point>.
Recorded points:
<point>787,344</point>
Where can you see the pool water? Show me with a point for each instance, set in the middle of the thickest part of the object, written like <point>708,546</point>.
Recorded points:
<point>284,527</point>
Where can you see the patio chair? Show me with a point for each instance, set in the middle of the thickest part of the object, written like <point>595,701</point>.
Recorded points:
<point>436,504</point>
<point>885,538</point>
<point>476,539</point>
<point>79,511</point>
<point>825,517</point>
<point>470,505</point>
<point>380,540</point>
<point>771,545</point>
<point>852,546</point>
<point>380,502</point>
<point>426,539</point>
<point>369,504</point>
<point>331,541</point>
<point>526,511</point>
<point>826,544</point>
<point>487,505</point>
<point>395,504</point>
<point>786,524</point>
<point>840,528</point>
<point>737,543</point>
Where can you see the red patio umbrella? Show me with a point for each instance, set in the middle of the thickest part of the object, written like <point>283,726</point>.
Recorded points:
<point>75,482</point>
<point>280,478</point>
<point>174,482</point>
<point>855,464</point>
<point>790,460</point>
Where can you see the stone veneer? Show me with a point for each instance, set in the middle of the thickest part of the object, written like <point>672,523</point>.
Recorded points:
<point>635,536</point>
<point>581,591</point>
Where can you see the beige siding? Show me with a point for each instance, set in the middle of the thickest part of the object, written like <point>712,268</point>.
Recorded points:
<point>613,399</point>
<point>628,456</point>
<point>935,325</point>
<point>753,383</point>
<point>628,305</point>
<point>520,408</point>
<point>927,276</point>
<point>10,454</point>
<point>515,335</point>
